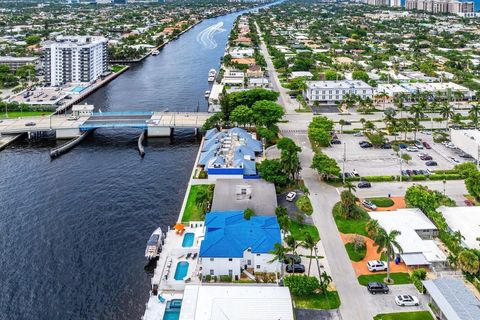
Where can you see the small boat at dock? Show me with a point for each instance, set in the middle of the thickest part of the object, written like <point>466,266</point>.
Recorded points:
<point>211,75</point>
<point>207,94</point>
<point>155,53</point>
<point>154,244</point>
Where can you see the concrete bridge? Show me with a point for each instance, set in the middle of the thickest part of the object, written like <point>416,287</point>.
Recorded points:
<point>156,124</point>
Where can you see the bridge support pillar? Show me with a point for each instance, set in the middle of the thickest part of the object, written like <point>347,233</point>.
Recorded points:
<point>159,131</point>
<point>67,133</point>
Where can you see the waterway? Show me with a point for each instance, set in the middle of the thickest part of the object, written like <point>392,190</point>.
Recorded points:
<point>73,230</point>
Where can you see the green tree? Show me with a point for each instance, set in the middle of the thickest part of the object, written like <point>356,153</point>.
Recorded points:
<point>468,261</point>
<point>302,285</point>
<point>417,111</point>
<point>372,228</point>
<point>309,243</point>
<point>387,241</point>
<point>289,157</point>
<point>472,183</point>
<point>242,115</point>
<point>326,167</point>
<point>342,122</point>
<point>203,199</point>
<point>279,254</point>
<point>267,113</point>
<point>474,113</point>
<point>446,111</point>
<point>406,157</point>
<point>360,75</point>
<point>248,213</point>
<point>214,121</point>
<point>350,187</point>
<point>33,39</point>
<point>272,171</point>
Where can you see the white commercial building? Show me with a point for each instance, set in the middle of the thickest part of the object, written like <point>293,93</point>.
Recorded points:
<point>467,221</point>
<point>416,238</point>
<point>240,302</point>
<point>237,53</point>
<point>329,92</point>
<point>468,141</point>
<point>76,59</point>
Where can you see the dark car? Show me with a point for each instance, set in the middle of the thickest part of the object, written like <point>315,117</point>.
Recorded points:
<point>347,123</point>
<point>465,155</point>
<point>404,173</point>
<point>289,257</point>
<point>409,172</point>
<point>365,144</point>
<point>297,268</point>
<point>335,141</point>
<point>30,124</point>
<point>426,145</point>
<point>386,146</point>
<point>402,146</point>
<point>427,157</point>
<point>415,172</point>
<point>377,287</point>
<point>431,163</point>
<point>364,184</point>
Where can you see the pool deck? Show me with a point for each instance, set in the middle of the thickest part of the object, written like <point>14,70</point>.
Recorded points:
<point>155,309</point>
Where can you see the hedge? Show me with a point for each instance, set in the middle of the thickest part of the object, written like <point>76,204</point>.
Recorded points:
<point>418,177</point>
<point>455,176</point>
<point>225,278</point>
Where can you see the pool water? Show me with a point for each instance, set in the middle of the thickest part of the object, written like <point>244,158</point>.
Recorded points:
<point>181,270</point>
<point>188,239</point>
<point>172,312</point>
<point>77,89</point>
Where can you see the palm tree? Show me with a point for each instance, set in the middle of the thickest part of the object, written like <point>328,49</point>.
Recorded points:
<point>341,123</point>
<point>399,102</point>
<point>291,246</point>
<point>387,241</point>
<point>446,111</point>
<point>473,113</point>
<point>362,122</point>
<point>350,187</point>
<point>383,95</point>
<point>279,254</point>
<point>309,243</point>
<point>372,228</point>
<point>325,280</point>
<point>202,200</point>
<point>417,111</point>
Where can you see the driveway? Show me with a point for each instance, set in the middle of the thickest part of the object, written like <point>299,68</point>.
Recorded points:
<point>385,303</point>
<point>309,314</point>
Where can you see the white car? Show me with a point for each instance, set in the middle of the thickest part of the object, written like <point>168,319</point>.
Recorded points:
<point>376,265</point>
<point>291,196</point>
<point>412,149</point>
<point>406,300</point>
<point>358,134</point>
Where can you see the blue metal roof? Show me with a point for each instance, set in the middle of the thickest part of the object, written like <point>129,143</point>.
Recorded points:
<point>210,133</point>
<point>206,156</point>
<point>242,151</point>
<point>228,234</point>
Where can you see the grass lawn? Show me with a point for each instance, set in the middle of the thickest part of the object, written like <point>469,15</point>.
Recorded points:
<point>382,202</point>
<point>192,212</point>
<point>298,231</point>
<point>350,225</point>
<point>17,114</point>
<point>414,315</point>
<point>398,278</point>
<point>116,68</point>
<point>303,204</point>
<point>355,255</point>
<point>318,301</point>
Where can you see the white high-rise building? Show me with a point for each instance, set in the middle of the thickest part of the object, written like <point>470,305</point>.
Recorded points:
<point>74,59</point>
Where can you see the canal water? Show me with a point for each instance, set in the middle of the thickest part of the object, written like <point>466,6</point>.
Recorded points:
<point>73,230</point>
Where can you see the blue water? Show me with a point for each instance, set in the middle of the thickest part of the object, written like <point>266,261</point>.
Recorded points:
<point>181,270</point>
<point>188,240</point>
<point>171,315</point>
<point>77,89</point>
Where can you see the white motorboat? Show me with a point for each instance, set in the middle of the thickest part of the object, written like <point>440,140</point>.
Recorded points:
<point>212,73</point>
<point>211,79</point>
<point>154,244</point>
<point>155,53</point>
<point>207,94</point>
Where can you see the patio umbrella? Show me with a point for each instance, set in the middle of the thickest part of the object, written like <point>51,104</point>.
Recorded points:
<point>179,226</point>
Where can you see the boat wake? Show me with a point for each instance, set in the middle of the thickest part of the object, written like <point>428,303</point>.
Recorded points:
<point>206,37</point>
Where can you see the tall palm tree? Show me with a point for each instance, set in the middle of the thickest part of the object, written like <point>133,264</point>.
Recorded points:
<point>387,241</point>
<point>446,111</point>
<point>291,247</point>
<point>279,254</point>
<point>399,102</point>
<point>350,187</point>
<point>309,243</point>
<point>474,113</point>
<point>341,122</point>
<point>417,110</point>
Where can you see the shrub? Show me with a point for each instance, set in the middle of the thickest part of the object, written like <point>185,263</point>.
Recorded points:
<point>419,177</point>
<point>202,175</point>
<point>208,278</point>
<point>248,213</point>
<point>225,278</point>
<point>303,203</point>
<point>417,276</point>
<point>455,176</point>
<point>382,202</point>
<point>302,285</point>
<point>358,242</point>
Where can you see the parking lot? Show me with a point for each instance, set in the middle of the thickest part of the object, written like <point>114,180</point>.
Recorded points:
<point>385,303</point>
<point>382,162</point>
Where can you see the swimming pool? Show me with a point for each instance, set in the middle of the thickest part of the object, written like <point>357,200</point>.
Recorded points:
<point>172,311</point>
<point>188,239</point>
<point>77,89</point>
<point>181,270</point>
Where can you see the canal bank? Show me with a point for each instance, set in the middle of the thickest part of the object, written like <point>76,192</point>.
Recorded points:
<point>74,229</point>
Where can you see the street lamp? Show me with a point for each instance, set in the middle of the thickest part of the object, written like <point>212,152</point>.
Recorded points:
<point>444,183</point>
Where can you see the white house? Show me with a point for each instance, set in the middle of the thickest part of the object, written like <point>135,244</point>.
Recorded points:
<point>233,244</point>
<point>466,220</point>
<point>237,53</point>
<point>328,92</point>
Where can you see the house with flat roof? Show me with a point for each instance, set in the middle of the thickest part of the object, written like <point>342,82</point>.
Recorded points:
<point>416,238</point>
<point>236,302</point>
<point>329,92</point>
<point>233,244</point>
<point>235,194</point>
<point>466,220</point>
<point>450,299</point>
<point>230,154</point>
